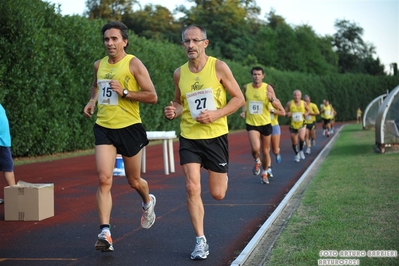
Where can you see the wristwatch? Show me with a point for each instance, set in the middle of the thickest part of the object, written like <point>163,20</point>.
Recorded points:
<point>125,92</point>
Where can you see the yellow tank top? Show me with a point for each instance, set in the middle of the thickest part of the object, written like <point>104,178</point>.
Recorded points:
<point>313,109</point>
<point>273,117</point>
<point>113,110</point>
<point>327,112</point>
<point>200,91</point>
<point>257,103</point>
<point>297,114</point>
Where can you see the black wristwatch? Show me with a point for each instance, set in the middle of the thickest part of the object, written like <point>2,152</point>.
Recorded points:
<point>125,92</point>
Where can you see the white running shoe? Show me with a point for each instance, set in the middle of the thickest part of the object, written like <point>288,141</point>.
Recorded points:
<point>269,173</point>
<point>308,151</point>
<point>264,179</point>
<point>302,155</point>
<point>297,158</point>
<point>104,242</point>
<point>148,217</point>
<point>256,169</point>
<point>201,250</point>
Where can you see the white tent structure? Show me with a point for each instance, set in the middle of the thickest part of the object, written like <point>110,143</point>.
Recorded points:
<point>371,111</point>
<point>387,122</point>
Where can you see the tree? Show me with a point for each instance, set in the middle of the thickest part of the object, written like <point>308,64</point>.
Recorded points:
<point>309,52</point>
<point>108,9</point>
<point>353,53</point>
<point>228,24</point>
<point>273,20</point>
<point>153,22</point>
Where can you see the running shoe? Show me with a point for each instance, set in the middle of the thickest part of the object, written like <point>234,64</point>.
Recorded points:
<point>1,201</point>
<point>201,250</point>
<point>297,158</point>
<point>104,242</point>
<point>256,169</point>
<point>148,217</point>
<point>302,155</point>
<point>327,133</point>
<point>278,158</point>
<point>308,151</point>
<point>264,180</point>
<point>269,173</point>
<point>313,142</point>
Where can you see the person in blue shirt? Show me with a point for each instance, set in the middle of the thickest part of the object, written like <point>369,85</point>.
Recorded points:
<point>6,161</point>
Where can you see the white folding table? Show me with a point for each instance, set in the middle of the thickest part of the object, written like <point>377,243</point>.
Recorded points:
<point>167,144</point>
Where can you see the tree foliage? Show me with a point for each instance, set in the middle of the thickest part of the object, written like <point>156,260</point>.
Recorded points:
<point>236,33</point>
<point>108,9</point>
<point>355,55</point>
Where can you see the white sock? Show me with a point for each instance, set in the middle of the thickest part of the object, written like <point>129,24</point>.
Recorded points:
<point>146,206</point>
<point>198,238</point>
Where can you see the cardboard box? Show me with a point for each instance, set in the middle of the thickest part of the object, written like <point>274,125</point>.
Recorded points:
<point>28,202</point>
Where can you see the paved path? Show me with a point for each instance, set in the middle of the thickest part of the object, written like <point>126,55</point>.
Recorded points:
<point>68,238</point>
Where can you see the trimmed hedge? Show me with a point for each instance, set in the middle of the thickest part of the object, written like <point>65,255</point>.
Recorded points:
<point>46,70</point>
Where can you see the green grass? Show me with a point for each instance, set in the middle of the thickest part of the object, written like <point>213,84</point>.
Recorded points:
<point>46,158</point>
<point>352,203</point>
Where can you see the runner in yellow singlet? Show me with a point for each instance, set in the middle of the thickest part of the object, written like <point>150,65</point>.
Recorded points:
<point>359,115</point>
<point>297,110</point>
<point>327,114</point>
<point>120,82</point>
<point>256,112</point>
<point>310,121</point>
<point>201,87</point>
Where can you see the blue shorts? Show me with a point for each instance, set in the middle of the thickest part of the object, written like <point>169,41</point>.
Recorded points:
<point>276,130</point>
<point>6,161</point>
<point>128,141</point>
<point>212,154</point>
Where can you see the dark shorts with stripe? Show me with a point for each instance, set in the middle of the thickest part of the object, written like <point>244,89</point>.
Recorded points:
<point>128,141</point>
<point>326,121</point>
<point>295,130</point>
<point>311,126</point>
<point>212,154</point>
<point>265,130</point>
<point>6,161</point>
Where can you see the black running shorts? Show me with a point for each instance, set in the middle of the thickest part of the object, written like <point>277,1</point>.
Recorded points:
<point>128,141</point>
<point>265,130</point>
<point>212,154</point>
